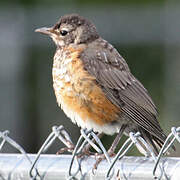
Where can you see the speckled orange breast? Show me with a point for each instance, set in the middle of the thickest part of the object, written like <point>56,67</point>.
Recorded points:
<point>77,92</point>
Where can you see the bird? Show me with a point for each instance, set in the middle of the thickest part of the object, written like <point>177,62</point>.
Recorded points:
<point>95,88</point>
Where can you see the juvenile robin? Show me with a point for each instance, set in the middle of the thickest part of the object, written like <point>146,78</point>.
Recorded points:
<point>95,87</point>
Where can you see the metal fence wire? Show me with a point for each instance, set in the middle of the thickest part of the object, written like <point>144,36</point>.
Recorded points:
<point>74,166</point>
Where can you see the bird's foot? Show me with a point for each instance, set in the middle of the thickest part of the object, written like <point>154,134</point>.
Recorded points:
<point>85,152</point>
<point>101,157</point>
<point>70,148</point>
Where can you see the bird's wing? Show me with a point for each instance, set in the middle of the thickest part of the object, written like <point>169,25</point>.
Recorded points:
<point>122,88</point>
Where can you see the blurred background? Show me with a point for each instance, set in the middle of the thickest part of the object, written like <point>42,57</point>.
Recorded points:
<point>146,33</point>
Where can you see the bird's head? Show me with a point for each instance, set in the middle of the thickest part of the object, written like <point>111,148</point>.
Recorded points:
<point>71,29</point>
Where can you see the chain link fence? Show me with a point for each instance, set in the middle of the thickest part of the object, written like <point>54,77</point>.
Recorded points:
<point>46,166</point>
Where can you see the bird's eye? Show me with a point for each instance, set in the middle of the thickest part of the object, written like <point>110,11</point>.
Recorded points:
<point>63,32</point>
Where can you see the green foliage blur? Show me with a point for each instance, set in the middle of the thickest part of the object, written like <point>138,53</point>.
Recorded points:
<point>82,2</point>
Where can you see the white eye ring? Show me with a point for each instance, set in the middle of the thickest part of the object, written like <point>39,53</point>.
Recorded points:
<point>63,31</point>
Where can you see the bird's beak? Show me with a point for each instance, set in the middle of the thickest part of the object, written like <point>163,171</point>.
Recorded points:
<point>45,30</point>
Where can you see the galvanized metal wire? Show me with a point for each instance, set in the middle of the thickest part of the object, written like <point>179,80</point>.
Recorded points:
<point>57,132</point>
<point>75,168</point>
<point>6,138</point>
<point>174,135</point>
<point>88,136</point>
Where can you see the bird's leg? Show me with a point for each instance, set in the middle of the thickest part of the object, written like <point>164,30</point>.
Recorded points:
<point>116,140</point>
<point>86,149</point>
<point>112,148</point>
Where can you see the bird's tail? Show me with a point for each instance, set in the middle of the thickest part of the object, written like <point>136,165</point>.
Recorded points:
<point>154,143</point>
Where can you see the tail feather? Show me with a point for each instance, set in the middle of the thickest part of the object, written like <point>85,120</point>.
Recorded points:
<point>154,143</point>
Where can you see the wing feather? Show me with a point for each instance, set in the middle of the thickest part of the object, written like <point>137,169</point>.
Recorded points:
<point>122,88</point>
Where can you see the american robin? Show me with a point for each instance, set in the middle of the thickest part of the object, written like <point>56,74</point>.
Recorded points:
<point>95,87</point>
